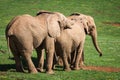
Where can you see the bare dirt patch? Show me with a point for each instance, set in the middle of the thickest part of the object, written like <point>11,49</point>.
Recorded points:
<point>99,68</point>
<point>117,24</point>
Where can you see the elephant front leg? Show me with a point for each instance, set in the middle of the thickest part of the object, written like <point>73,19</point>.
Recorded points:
<point>50,49</point>
<point>49,61</point>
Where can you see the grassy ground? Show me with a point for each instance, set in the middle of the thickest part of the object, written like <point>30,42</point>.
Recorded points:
<point>103,11</point>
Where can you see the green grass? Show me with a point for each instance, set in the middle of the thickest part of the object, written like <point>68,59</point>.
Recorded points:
<point>108,37</point>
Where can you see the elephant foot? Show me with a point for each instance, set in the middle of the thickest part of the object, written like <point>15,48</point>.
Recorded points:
<point>82,64</point>
<point>40,70</point>
<point>50,72</point>
<point>33,71</point>
<point>76,68</point>
<point>67,69</point>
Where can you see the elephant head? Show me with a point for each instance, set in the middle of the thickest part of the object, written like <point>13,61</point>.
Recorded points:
<point>56,22</point>
<point>89,27</point>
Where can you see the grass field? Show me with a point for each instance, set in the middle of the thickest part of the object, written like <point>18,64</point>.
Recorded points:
<point>107,17</point>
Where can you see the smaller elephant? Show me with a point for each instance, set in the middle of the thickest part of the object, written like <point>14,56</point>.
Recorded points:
<point>70,44</point>
<point>25,33</point>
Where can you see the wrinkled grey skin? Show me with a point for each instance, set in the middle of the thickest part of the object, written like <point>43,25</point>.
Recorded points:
<point>25,33</point>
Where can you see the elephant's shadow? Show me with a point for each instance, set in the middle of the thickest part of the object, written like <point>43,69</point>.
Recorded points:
<point>12,68</point>
<point>7,67</point>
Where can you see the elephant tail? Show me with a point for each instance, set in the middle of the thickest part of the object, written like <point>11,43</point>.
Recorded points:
<point>8,47</point>
<point>8,34</point>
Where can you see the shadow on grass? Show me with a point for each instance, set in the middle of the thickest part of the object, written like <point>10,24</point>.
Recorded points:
<point>6,67</point>
<point>12,67</point>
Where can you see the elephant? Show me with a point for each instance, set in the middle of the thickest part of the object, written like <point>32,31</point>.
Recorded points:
<point>24,33</point>
<point>70,44</point>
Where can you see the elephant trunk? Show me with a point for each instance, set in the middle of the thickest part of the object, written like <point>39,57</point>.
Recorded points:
<point>94,39</point>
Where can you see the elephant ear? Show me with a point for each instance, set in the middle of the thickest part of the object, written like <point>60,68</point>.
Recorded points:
<point>63,21</point>
<point>84,21</point>
<point>85,25</point>
<point>53,26</point>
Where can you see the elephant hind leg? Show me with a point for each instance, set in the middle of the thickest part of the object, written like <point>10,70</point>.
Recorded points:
<point>78,56</point>
<point>40,56</point>
<point>73,56</point>
<point>31,67</point>
<point>16,54</point>
<point>24,48</point>
<point>65,61</point>
<point>19,66</point>
<point>82,59</point>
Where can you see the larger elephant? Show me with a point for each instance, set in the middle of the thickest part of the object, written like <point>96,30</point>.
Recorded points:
<point>25,33</point>
<point>72,40</point>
